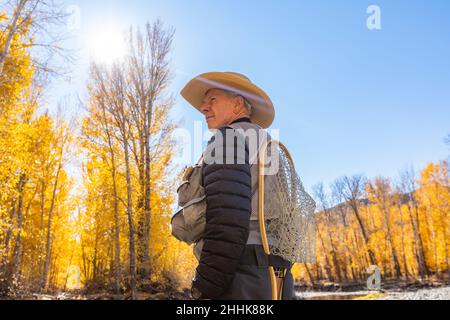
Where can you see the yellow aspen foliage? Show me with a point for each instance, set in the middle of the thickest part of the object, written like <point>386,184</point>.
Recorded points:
<point>408,232</point>
<point>434,204</point>
<point>18,69</point>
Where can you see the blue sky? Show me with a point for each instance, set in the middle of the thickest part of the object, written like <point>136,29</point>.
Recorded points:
<point>348,100</point>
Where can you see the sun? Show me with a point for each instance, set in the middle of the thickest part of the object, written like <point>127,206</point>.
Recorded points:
<point>106,44</point>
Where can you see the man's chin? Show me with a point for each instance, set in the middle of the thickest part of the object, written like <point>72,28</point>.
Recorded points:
<point>211,126</point>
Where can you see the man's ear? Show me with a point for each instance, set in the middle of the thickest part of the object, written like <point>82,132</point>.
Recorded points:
<point>238,104</point>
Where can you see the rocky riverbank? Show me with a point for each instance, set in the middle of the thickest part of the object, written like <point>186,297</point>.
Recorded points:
<point>442,293</point>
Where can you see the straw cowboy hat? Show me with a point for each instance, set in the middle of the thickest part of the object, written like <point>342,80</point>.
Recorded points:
<point>263,112</point>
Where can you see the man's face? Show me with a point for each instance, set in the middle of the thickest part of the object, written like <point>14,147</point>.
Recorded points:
<point>218,108</point>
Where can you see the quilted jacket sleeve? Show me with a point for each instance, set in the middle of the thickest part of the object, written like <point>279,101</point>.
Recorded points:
<point>227,182</point>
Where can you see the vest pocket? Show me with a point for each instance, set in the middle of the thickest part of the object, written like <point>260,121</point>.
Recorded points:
<point>188,224</point>
<point>192,187</point>
<point>178,226</point>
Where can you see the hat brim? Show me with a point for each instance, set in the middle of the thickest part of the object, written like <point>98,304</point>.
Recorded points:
<point>263,111</point>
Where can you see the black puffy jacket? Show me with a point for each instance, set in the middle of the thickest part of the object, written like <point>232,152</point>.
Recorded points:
<point>228,197</point>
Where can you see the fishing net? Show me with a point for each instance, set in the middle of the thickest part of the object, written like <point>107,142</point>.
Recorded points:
<point>291,228</point>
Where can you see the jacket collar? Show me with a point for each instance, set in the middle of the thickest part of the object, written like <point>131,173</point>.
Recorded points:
<point>245,119</point>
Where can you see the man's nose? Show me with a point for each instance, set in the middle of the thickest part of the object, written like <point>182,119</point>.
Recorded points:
<point>205,107</point>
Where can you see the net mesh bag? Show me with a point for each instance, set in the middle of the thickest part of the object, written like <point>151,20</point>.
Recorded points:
<point>291,233</point>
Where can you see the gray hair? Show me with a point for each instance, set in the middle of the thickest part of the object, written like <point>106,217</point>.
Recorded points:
<point>248,106</point>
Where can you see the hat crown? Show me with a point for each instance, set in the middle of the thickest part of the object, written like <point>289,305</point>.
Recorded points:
<point>240,75</point>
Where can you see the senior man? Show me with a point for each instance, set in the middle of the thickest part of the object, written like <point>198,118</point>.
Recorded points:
<point>232,261</point>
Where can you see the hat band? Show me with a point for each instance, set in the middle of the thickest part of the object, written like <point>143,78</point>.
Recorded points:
<point>220,85</point>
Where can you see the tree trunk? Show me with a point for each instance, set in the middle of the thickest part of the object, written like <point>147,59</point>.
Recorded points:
<point>12,31</point>
<point>20,218</point>
<point>14,272</point>
<point>333,247</point>
<point>49,230</point>
<point>4,257</point>
<point>311,278</point>
<point>41,237</point>
<point>117,268</point>
<point>328,271</point>
<point>355,209</point>
<point>415,223</point>
<point>118,275</point>
<point>405,262</point>
<point>147,208</point>
<point>392,245</point>
<point>130,222</point>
